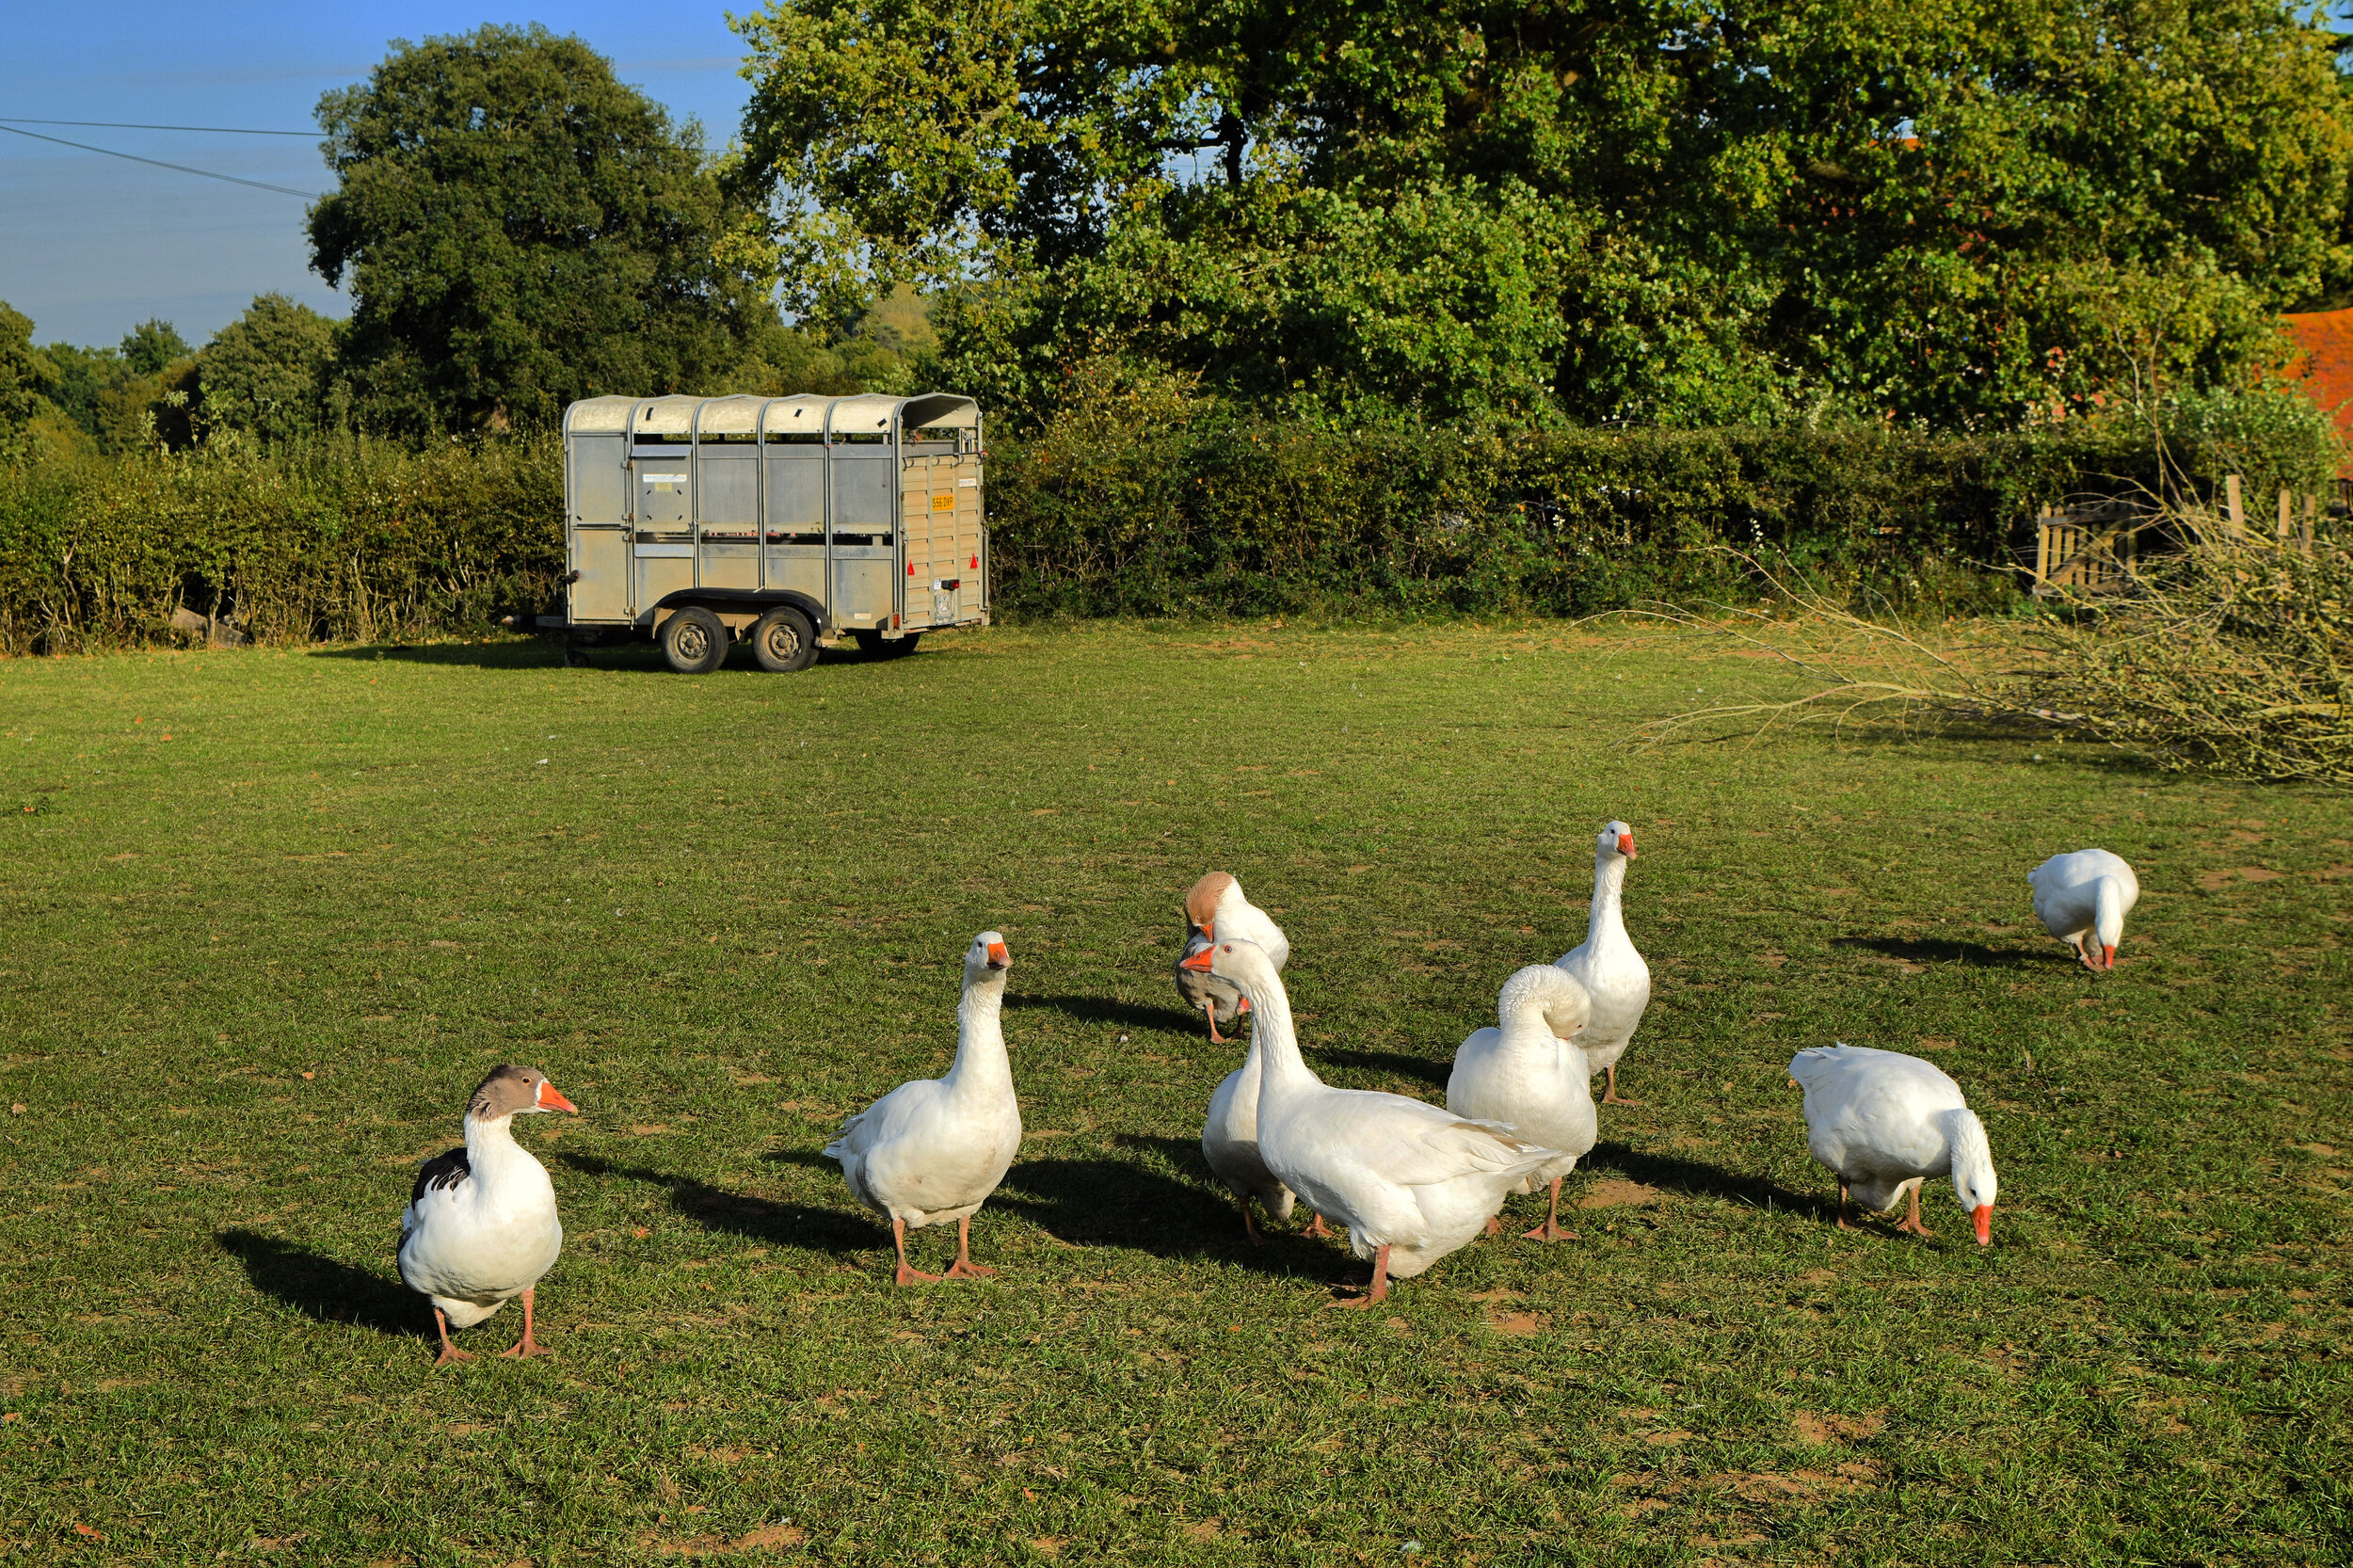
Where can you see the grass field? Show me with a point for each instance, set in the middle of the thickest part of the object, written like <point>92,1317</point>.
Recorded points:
<point>269,916</point>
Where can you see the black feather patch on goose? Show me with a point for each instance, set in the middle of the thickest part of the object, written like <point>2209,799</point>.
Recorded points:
<point>442,1170</point>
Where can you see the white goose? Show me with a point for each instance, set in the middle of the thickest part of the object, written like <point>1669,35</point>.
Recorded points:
<point>480,1228</point>
<point>934,1150</point>
<point>1229,1141</point>
<point>1411,1182</point>
<point>1885,1123</point>
<point>1532,1077</point>
<point>1215,904</point>
<point>1612,973</point>
<point>2086,894</point>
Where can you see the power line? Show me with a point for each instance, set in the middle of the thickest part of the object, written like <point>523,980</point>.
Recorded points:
<point>129,125</point>
<point>158,162</point>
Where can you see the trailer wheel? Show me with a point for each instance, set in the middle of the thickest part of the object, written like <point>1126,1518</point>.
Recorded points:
<point>874,646</point>
<point>694,641</point>
<point>784,641</point>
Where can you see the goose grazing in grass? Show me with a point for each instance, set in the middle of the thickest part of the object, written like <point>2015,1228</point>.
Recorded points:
<point>934,1150</point>
<point>1215,904</point>
<point>1885,1123</point>
<point>1612,973</point>
<point>2083,898</point>
<point>480,1228</point>
<point>1411,1182</point>
<point>1531,1076</point>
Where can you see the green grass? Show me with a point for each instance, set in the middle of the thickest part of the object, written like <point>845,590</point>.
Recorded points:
<point>251,970</point>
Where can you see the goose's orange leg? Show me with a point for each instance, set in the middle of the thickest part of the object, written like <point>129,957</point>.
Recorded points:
<point>449,1351</point>
<point>1316,1227</point>
<point>1842,1208</point>
<point>527,1346</point>
<point>1380,1291</point>
<point>1610,1094</point>
<point>907,1274</point>
<point>1550,1230</point>
<point>964,1268</point>
<point>1911,1222</point>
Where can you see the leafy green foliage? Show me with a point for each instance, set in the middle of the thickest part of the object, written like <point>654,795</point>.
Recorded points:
<point>520,229</point>
<point>356,537</point>
<point>1661,211</point>
<point>23,372</point>
<point>271,374</point>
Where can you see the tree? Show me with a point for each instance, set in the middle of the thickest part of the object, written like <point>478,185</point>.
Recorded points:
<point>270,373</point>
<point>520,229</point>
<point>1669,210</point>
<point>23,374</point>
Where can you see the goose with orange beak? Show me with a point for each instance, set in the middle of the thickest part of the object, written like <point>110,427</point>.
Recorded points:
<point>480,1228</point>
<point>2082,899</point>
<point>933,1150</point>
<point>1612,973</point>
<point>1216,904</point>
<point>1883,1123</point>
<point>1409,1183</point>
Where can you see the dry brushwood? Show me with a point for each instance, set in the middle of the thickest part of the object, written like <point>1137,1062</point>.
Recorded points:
<point>2230,654</point>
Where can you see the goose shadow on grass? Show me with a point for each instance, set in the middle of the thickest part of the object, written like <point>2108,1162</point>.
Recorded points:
<point>1110,1010</point>
<point>1694,1178</point>
<point>325,1289</point>
<point>1394,1063</point>
<point>1113,1202</point>
<point>758,1218</point>
<point>1922,950</point>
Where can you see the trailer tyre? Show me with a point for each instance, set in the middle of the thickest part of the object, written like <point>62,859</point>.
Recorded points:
<point>784,641</point>
<point>694,641</point>
<point>873,644</point>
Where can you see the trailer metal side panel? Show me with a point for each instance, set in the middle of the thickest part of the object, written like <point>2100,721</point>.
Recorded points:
<point>872,505</point>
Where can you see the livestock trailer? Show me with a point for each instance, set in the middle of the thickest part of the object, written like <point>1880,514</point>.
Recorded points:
<point>781,521</point>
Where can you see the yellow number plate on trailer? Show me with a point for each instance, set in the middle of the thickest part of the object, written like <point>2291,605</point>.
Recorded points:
<point>943,503</point>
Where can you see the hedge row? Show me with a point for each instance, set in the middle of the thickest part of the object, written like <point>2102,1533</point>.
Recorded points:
<point>1105,512</point>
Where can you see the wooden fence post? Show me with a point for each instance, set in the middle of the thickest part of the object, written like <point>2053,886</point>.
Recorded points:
<point>2286,511</point>
<point>2232,510</point>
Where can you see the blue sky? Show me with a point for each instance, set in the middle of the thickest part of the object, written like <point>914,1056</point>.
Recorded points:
<point>90,245</point>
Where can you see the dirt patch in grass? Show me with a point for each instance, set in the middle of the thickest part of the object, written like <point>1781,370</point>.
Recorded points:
<point>1815,1428</point>
<point>1617,1194</point>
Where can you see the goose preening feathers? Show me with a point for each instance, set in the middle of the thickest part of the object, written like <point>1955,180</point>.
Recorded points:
<point>1885,1123</point>
<point>1410,1181</point>
<point>1531,1076</point>
<point>1612,973</point>
<point>1215,904</point>
<point>2082,899</point>
<point>934,1150</point>
<point>480,1228</point>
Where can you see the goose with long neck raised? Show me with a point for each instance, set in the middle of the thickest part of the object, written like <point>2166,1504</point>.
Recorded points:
<point>1612,973</point>
<point>481,1228</point>
<point>2082,899</point>
<point>1883,1123</point>
<point>1216,904</point>
<point>934,1150</point>
<point>1411,1182</point>
<point>1531,1076</point>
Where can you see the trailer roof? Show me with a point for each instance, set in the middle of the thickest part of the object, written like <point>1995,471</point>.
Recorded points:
<point>741,414</point>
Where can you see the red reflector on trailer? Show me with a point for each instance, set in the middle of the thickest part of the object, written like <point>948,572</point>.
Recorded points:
<point>910,568</point>
<point>975,565</point>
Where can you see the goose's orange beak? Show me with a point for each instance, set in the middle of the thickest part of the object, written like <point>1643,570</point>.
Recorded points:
<point>1983,1215</point>
<point>2107,955</point>
<point>1626,845</point>
<point>551,1099</point>
<point>1196,960</point>
<point>997,957</point>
